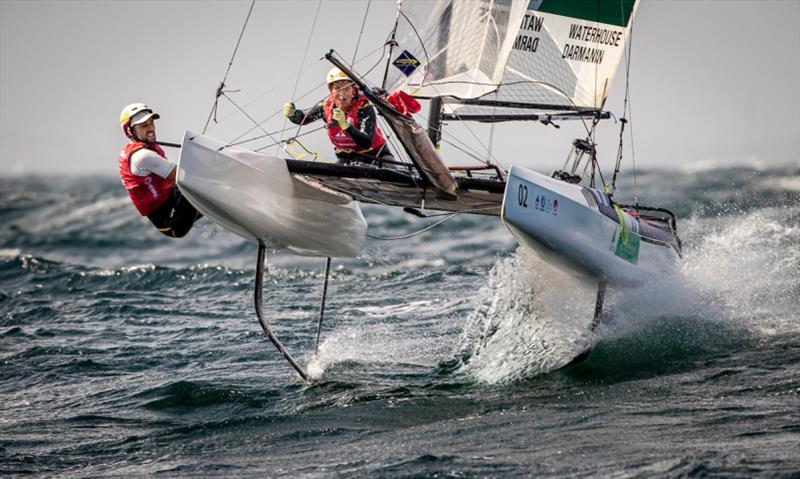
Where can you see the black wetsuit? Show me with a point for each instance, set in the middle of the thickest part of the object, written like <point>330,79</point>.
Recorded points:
<point>362,133</point>
<point>176,216</point>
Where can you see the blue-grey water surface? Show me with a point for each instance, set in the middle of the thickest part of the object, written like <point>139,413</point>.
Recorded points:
<point>125,353</point>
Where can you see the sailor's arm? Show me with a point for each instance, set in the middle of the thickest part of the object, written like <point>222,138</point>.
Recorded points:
<point>363,133</point>
<point>299,117</point>
<point>145,161</point>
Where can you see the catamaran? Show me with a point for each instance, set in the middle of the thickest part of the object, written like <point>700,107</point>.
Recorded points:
<point>488,61</point>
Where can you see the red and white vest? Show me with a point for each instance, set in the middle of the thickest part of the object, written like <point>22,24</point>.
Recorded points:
<point>340,139</point>
<point>147,192</point>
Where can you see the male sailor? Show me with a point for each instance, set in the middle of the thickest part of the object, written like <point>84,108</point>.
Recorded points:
<point>350,119</point>
<point>149,177</point>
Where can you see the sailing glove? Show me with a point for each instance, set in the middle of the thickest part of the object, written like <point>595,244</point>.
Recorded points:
<point>340,118</point>
<point>288,110</point>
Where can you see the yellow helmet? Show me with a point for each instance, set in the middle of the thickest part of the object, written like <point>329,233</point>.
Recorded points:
<point>134,114</point>
<point>336,75</point>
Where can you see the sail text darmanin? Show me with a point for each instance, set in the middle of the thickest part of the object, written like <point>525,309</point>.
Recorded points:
<point>583,54</point>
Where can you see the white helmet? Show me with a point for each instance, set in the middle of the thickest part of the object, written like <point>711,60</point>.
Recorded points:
<point>134,114</point>
<point>336,75</point>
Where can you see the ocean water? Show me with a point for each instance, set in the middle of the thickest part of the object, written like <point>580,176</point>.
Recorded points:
<point>124,353</point>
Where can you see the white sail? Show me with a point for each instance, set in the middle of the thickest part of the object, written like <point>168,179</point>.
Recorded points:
<point>567,53</point>
<point>554,55</point>
<point>454,48</point>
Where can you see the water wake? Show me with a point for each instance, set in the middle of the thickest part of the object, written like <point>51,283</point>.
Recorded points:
<point>740,276</point>
<point>531,318</point>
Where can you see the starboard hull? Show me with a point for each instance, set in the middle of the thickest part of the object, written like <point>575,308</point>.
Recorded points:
<point>578,229</point>
<point>255,196</point>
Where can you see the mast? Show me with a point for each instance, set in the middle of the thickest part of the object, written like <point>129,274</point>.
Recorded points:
<point>435,121</point>
<point>392,42</point>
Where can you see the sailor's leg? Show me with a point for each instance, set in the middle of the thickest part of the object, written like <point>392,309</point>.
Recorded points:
<point>176,216</point>
<point>184,216</point>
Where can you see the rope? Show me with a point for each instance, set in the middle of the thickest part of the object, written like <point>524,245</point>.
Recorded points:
<point>221,86</point>
<point>449,217</point>
<point>304,147</point>
<point>416,232</point>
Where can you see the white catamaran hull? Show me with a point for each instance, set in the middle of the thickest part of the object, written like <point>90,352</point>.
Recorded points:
<point>256,197</point>
<point>563,223</point>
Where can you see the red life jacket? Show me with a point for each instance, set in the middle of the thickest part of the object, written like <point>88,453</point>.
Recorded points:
<point>340,139</point>
<point>147,192</point>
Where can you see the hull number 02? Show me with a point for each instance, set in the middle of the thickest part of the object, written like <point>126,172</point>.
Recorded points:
<point>522,196</point>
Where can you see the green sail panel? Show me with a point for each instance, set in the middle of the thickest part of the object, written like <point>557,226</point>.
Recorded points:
<point>610,12</point>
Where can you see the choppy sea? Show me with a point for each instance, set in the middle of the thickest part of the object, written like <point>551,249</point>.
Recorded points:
<point>124,353</point>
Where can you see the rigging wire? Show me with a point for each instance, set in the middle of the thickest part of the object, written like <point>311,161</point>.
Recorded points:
<point>485,147</point>
<point>220,89</point>
<point>308,45</point>
<point>254,121</point>
<point>361,33</point>
<point>307,93</point>
<point>302,63</point>
<point>472,154</point>
<point>589,131</point>
<point>275,87</point>
<point>261,137</point>
<point>237,141</point>
<point>626,114</point>
<point>421,43</point>
<point>630,119</point>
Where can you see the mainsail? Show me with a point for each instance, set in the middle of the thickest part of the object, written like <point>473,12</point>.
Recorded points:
<point>461,48</point>
<point>546,55</point>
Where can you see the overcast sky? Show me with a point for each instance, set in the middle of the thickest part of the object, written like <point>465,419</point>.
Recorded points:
<point>714,83</point>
